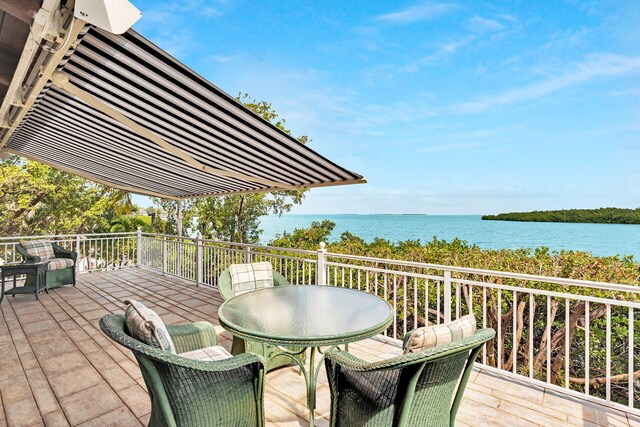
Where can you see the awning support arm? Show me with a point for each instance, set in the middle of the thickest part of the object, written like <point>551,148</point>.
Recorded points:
<point>74,30</point>
<point>61,80</point>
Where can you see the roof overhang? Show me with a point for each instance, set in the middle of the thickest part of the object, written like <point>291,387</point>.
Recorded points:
<point>118,110</point>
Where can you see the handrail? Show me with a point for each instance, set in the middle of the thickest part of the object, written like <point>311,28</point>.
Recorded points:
<point>242,245</point>
<point>54,236</point>
<point>495,273</point>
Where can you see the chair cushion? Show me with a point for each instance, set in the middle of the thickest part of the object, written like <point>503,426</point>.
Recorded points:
<point>216,352</point>
<point>59,264</point>
<point>39,248</point>
<point>145,325</point>
<point>431,336</point>
<point>249,277</point>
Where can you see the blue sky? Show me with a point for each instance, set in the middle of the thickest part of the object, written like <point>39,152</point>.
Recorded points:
<point>446,107</point>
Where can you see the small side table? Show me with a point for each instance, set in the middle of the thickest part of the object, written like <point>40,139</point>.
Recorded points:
<point>36,269</point>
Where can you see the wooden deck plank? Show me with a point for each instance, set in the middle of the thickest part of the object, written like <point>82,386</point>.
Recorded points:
<point>57,368</point>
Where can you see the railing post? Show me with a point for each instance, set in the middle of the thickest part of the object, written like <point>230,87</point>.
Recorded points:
<point>321,270</point>
<point>139,248</point>
<point>447,296</point>
<point>164,255</point>
<point>247,254</point>
<point>79,259</point>
<point>198,259</point>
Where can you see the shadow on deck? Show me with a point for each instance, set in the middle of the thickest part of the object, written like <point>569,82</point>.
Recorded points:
<point>58,369</point>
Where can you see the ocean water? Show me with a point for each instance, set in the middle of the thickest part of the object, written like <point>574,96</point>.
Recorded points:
<point>599,239</point>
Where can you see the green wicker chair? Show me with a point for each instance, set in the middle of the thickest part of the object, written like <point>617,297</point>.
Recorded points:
<point>240,345</point>
<point>415,389</point>
<point>52,278</point>
<point>195,393</point>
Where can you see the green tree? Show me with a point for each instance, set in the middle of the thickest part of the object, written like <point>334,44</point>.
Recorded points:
<point>306,238</point>
<point>130,223</point>
<point>38,199</point>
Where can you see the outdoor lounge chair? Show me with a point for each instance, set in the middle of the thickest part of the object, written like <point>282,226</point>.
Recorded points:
<point>415,389</point>
<point>241,345</point>
<point>188,392</point>
<point>61,268</point>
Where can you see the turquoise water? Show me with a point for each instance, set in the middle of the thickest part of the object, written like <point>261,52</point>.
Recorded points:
<point>599,239</point>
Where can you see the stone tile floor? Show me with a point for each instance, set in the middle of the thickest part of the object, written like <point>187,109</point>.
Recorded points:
<point>58,369</point>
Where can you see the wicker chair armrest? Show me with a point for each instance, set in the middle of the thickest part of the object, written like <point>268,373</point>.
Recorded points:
<point>25,255</point>
<point>61,252</point>
<point>113,326</point>
<point>193,336</point>
<point>354,363</point>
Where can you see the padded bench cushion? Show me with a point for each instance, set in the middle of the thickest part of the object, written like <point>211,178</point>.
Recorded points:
<point>59,264</point>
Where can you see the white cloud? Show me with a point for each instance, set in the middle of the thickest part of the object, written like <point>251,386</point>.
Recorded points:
<point>481,25</point>
<point>423,12</point>
<point>225,59</point>
<point>450,146</point>
<point>595,66</point>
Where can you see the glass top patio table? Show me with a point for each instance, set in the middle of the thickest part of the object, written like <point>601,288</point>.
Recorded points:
<point>307,315</point>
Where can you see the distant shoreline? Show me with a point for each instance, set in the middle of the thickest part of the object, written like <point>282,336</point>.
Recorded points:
<point>582,216</point>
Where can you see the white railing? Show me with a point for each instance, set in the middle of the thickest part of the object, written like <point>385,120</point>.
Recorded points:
<point>96,252</point>
<point>202,260</point>
<point>596,357</point>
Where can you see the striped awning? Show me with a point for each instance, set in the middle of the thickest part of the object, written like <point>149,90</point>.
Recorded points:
<point>123,112</point>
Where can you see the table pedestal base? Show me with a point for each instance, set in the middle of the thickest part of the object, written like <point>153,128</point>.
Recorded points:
<point>310,375</point>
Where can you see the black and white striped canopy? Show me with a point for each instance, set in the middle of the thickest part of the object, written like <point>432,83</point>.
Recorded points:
<point>214,145</point>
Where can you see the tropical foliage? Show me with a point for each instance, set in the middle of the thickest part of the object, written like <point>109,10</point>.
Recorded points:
<point>602,216</point>
<point>131,223</point>
<point>37,199</point>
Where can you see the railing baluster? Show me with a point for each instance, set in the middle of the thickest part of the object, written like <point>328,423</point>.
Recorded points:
<point>447,296</point>
<point>514,327</point>
<point>499,332</point>
<point>631,358</point>
<point>415,302</point>
<point>438,303</point>
<point>608,354</point>
<point>375,277</point>
<point>548,339</point>
<point>426,302</point>
<point>458,300</point>
<point>386,296</point>
<point>587,353</point>
<point>567,344</point>
<point>404,305</point>
<point>484,322</point>
<point>395,305</point>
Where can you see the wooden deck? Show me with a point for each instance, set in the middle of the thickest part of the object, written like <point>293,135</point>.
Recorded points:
<point>58,369</point>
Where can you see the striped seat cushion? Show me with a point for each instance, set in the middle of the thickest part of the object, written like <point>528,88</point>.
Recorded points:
<point>146,326</point>
<point>59,264</point>
<point>249,277</point>
<point>208,354</point>
<point>39,248</point>
<point>431,336</point>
